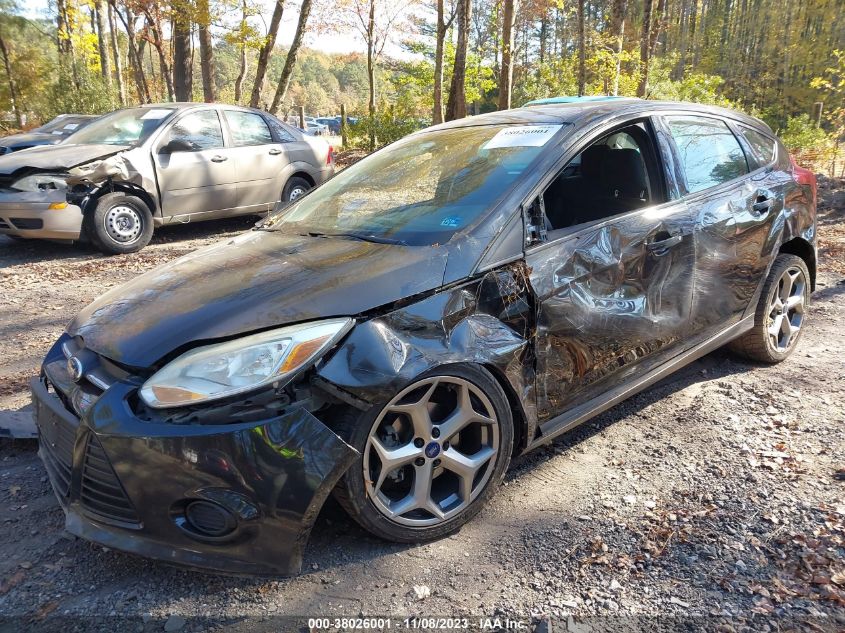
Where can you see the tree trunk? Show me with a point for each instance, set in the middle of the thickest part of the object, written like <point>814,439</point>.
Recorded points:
<point>102,47</point>
<point>456,106</point>
<point>371,72</point>
<point>582,50</point>
<point>206,50</point>
<point>239,82</point>
<point>135,59</point>
<point>544,35</point>
<point>264,53</point>
<point>620,8</point>
<point>182,75</point>
<point>290,60</point>
<point>115,50</point>
<point>442,29</point>
<point>13,89</point>
<point>645,49</point>
<point>506,73</point>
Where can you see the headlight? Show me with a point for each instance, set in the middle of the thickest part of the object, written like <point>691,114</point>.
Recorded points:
<point>218,371</point>
<point>41,182</point>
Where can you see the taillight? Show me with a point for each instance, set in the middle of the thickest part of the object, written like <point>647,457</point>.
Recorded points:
<point>330,155</point>
<point>804,176</point>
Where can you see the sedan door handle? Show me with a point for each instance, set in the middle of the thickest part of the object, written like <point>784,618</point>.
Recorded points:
<point>661,247</point>
<point>275,151</point>
<point>218,159</point>
<point>762,204</point>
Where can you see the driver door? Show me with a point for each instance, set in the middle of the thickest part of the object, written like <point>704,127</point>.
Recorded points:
<point>196,172</point>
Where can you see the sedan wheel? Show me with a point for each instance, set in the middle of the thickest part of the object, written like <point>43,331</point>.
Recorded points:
<point>431,457</point>
<point>780,314</point>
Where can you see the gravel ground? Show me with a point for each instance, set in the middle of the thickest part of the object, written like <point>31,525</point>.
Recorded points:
<point>713,501</point>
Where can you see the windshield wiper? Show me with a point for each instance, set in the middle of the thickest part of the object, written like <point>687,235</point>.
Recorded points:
<point>377,239</point>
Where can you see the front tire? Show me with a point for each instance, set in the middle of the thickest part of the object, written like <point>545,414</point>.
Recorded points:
<point>295,188</point>
<point>780,315</point>
<point>431,457</point>
<point>120,224</point>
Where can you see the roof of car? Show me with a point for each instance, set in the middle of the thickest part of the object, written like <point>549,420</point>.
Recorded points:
<point>579,111</point>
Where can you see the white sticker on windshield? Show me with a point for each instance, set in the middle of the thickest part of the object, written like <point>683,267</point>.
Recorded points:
<point>155,114</point>
<point>522,136</point>
<point>71,126</point>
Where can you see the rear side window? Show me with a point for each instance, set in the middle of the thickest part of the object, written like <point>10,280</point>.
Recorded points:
<point>763,146</point>
<point>709,152</point>
<point>248,128</point>
<point>282,133</point>
<point>201,129</point>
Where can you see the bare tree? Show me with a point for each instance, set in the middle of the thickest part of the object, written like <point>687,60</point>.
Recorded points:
<point>239,82</point>
<point>645,49</point>
<point>442,28</point>
<point>182,74</point>
<point>456,106</point>
<point>10,78</point>
<point>135,56</point>
<point>102,47</point>
<point>290,60</point>
<point>203,15</point>
<point>582,50</point>
<point>506,72</point>
<point>617,29</point>
<point>118,64</point>
<point>264,53</point>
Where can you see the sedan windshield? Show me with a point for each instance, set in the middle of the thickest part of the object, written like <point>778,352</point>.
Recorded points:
<point>124,127</point>
<point>422,189</point>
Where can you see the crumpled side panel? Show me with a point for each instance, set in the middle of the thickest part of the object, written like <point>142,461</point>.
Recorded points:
<point>488,321</point>
<point>607,302</point>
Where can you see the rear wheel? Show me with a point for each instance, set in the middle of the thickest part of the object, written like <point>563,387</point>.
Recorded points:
<point>295,188</point>
<point>779,318</point>
<point>120,224</point>
<point>430,458</point>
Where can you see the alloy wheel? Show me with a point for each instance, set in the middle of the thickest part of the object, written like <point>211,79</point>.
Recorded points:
<point>431,451</point>
<point>786,309</point>
<point>123,224</point>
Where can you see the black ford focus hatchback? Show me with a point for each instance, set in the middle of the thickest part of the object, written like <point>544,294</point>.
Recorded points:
<point>397,335</point>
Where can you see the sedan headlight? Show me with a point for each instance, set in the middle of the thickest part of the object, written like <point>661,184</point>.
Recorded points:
<point>226,369</point>
<point>41,182</point>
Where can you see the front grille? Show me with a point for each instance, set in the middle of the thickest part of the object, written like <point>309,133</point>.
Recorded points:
<point>57,438</point>
<point>28,223</point>
<point>101,493</point>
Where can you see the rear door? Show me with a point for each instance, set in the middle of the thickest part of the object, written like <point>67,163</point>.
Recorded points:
<point>613,275</point>
<point>260,160</point>
<point>733,210</point>
<point>200,177</point>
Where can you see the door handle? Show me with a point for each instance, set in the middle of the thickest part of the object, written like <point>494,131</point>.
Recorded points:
<point>661,247</point>
<point>275,151</point>
<point>762,204</point>
<point>218,159</point>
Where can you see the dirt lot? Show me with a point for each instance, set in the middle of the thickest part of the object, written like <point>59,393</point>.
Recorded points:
<point>715,499</point>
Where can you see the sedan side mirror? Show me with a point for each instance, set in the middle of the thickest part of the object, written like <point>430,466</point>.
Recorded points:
<point>177,145</point>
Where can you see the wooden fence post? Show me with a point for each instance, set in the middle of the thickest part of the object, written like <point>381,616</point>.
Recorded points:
<point>817,112</point>
<point>343,125</point>
<point>302,117</point>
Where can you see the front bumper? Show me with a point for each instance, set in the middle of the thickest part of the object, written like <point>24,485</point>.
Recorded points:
<point>126,483</point>
<point>27,214</point>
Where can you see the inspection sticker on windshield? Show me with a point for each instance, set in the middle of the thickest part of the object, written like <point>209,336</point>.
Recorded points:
<point>155,114</point>
<point>452,222</point>
<point>522,136</point>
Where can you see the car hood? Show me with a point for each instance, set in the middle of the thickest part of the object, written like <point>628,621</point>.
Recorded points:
<point>28,139</point>
<point>259,280</point>
<point>56,157</point>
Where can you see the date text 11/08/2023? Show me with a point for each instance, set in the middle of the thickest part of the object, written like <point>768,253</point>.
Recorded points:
<point>478,623</point>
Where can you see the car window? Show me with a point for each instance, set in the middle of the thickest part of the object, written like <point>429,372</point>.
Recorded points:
<point>201,129</point>
<point>762,145</point>
<point>283,135</point>
<point>248,128</point>
<point>612,175</point>
<point>710,154</point>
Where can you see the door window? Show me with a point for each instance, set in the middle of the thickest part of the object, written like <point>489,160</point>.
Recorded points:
<point>248,128</point>
<point>762,145</point>
<point>614,175</point>
<point>709,152</point>
<point>200,129</point>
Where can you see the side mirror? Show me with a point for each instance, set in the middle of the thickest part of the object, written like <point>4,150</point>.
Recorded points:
<point>176,145</point>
